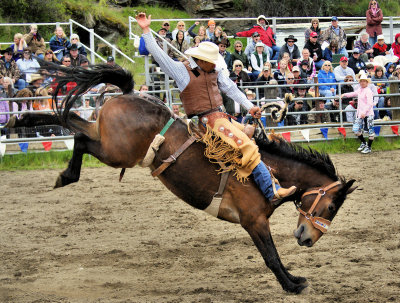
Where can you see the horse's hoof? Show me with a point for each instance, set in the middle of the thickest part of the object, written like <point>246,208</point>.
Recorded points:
<point>300,280</point>
<point>59,182</point>
<point>296,288</point>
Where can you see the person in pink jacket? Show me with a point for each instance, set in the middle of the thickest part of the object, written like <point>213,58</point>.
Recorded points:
<point>364,110</point>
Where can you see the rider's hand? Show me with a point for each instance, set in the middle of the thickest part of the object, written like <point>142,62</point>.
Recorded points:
<point>255,112</point>
<point>144,22</point>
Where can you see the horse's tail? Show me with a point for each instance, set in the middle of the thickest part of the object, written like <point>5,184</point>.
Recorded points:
<point>278,109</point>
<point>84,79</point>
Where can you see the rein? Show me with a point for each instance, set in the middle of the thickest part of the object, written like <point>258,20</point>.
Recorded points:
<point>319,223</point>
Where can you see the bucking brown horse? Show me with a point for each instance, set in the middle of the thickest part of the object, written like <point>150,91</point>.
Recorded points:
<point>127,125</point>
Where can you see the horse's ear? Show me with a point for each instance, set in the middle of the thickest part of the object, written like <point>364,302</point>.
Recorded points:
<point>349,188</point>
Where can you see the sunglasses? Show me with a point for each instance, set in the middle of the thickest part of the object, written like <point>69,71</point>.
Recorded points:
<point>328,65</point>
<point>238,45</point>
<point>49,53</point>
<point>299,103</point>
<point>181,25</point>
<point>67,61</point>
<point>371,67</point>
<point>290,41</point>
<point>290,78</point>
<point>222,45</point>
<point>255,36</point>
<point>166,24</point>
<point>238,66</point>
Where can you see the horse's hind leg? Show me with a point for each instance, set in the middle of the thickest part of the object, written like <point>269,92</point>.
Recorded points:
<point>258,228</point>
<point>82,145</point>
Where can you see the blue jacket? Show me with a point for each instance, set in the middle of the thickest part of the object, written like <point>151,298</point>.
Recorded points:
<point>326,77</point>
<point>142,47</point>
<point>57,45</point>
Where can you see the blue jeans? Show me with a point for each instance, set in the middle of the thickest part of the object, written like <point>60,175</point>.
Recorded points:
<point>275,50</point>
<point>327,93</point>
<point>343,51</point>
<point>20,84</point>
<point>380,104</point>
<point>318,64</point>
<point>373,40</point>
<point>262,177</point>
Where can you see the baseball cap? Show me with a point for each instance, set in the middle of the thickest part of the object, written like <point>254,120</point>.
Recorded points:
<point>110,58</point>
<point>304,62</point>
<point>356,50</point>
<point>265,68</point>
<point>313,34</point>
<point>380,37</point>
<point>334,18</point>
<point>295,68</point>
<point>344,58</point>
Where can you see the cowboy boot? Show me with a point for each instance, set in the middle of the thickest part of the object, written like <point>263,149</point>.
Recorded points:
<point>262,177</point>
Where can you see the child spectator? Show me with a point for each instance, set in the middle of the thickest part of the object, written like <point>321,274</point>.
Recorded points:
<point>286,57</point>
<point>59,43</point>
<point>390,67</point>
<point>347,88</point>
<point>351,111</point>
<point>201,34</point>
<point>381,48</point>
<point>386,113</point>
<point>280,74</point>
<point>210,29</point>
<point>35,41</point>
<point>311,70</point>
<point>381,87</point>
<point>396,45</point>
<point>364,109</point>
<point>180,44</point>
<point>196,41</point>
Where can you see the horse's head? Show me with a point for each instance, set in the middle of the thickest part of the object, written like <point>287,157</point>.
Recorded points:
<point>317,209</point>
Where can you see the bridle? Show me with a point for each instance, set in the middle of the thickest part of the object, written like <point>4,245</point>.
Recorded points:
<point>319,223</point>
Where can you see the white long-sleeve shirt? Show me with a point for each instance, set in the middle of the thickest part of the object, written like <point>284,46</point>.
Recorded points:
<point>177,71</point>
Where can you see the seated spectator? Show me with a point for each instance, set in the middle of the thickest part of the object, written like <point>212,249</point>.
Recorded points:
<point>315,50</point>
<point>86,111</point>
<point>250,95</point>
<point>42,104</point>
<point>163,34</point>
<point>196,42</point>
<point>351,111</point>
<point>380,48</point>
<point>314,28</point>
<point>180,44</point>
<point>347,88</point>
<point>302,93</point>
<point>370,70</point>
<point>49,56</point>
<point>9,68</point>
<point>7,89</point>
<point>326,75</point>
<point>305,58</point>
<point>75,56</point>
<point>176,108</point>
<point>180,26</point>
<point>390,67</point>
<point>239,54</point>
<point>201,34</point>
<point>111,61</point>
<point>365,47</point>
<point>59,43</point>
<point>27,65</point>
<point>251,46</point>
<point>222,45</point>
<point>336,33</point>
<point>75,40</point>
<point>298,118</point>
<point>85,63</point>
<point>35,41</point>
<point>258,58</point>
<point>296,74</point>
<point>386,113</point>
<point>374,19</point>
<point>381,86</point>
<point>220,35</point>
<point>319,117</point>
<point>355,62</point>
<point>333,105</point>
<point>23,105</point>
<point>329,51</point>
<point>396,45</point>
<point>166,25</point>
<point>210,29</point>
<point>280,74</point>
<point>66,61</point>
<point>291,48</point>
<point>267,35</point>
<point>263,79</point>
<point>18,46</point>
<point>288,88</point>
<point>286,57</point>
<point>232,108</point>
<point>242,77</point>
<point>343,70</point>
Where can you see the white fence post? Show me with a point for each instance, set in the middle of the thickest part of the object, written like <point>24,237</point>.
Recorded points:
<point>92,50</point>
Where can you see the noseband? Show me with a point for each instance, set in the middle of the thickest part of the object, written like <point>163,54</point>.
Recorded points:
<point>319,223</point>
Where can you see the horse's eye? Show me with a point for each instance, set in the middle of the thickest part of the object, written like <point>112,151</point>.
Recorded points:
<point>331,208</point>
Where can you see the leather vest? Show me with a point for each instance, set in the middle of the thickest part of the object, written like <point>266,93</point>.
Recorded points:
<point>202,93</point>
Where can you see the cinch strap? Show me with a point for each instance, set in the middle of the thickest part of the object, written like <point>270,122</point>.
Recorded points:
<point>169,123</point>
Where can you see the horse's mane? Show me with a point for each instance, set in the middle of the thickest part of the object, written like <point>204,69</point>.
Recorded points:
<point>276,145</point>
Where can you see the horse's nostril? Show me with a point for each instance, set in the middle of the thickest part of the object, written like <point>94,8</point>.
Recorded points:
<point>308,242</point>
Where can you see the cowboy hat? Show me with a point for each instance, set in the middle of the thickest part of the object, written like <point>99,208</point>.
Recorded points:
<point>291,37</point>
<point>35,77</point>
<point>364,77</point>
<point>7,50</point>
<point>206,51</point>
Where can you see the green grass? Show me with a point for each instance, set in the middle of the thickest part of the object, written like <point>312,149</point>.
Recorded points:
<point>44,160</point>
<point>351,145</point>
<point>59,160</point>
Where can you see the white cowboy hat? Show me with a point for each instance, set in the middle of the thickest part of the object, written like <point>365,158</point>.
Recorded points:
<point>35,77</point>
<point>364,77</point>
<point>206,51</point>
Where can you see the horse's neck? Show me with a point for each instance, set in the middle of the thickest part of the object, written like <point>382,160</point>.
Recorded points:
<point>292,172</point>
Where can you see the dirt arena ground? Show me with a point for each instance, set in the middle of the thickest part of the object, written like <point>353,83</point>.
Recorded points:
<point>104,241</point>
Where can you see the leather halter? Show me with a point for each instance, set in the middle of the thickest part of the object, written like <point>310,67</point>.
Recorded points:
<point>319,223</point>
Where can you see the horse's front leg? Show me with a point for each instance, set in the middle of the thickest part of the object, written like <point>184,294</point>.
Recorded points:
<point>259,230</point>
